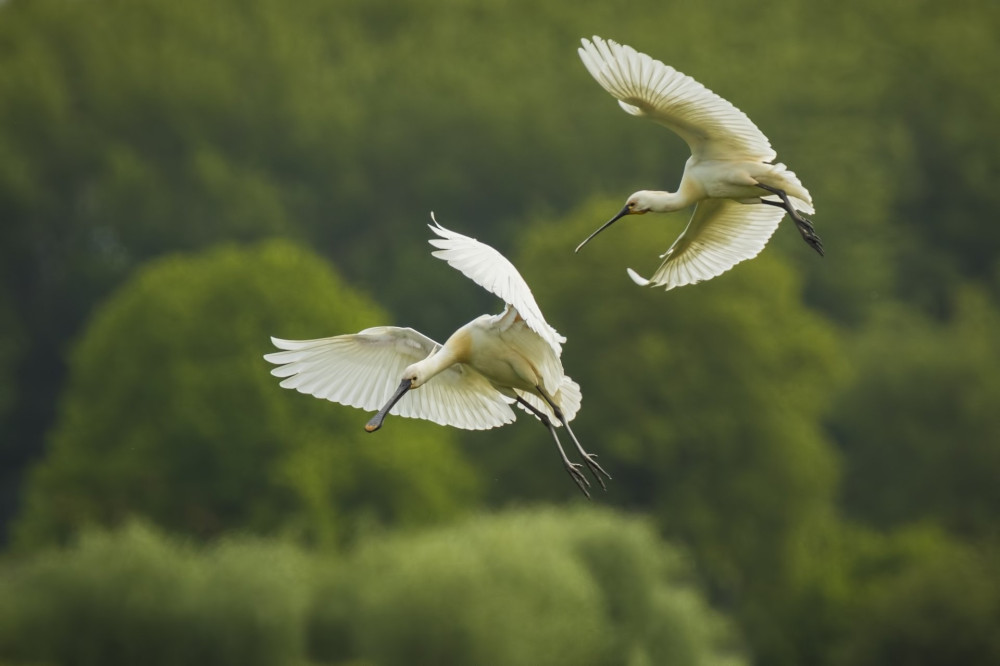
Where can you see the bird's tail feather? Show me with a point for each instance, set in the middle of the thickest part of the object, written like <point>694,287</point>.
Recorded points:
<point>782,177</point>
<point>568,397</point>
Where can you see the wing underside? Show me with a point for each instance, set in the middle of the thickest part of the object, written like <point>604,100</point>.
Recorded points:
<point>711,125</point>
<point>491,270</point>
<point>362,370</point>
<point>720,234</point>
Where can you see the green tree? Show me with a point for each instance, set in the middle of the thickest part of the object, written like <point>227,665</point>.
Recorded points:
<point>918,424</point>
<point>127,130</point>
<point>135,596</point>
<point>867,596</point>
<point>588,587</point>
<point>947,113</point>
<point>171,413</point>
<point>12,346</point>
<point>941,610</point>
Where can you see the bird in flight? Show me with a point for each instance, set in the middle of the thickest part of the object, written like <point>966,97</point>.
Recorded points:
<point>470,381</point>
<point>739,195</point>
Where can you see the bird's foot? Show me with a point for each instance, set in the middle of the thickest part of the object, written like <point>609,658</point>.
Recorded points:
<point>804,224</point>
<point>578,477</point>
<point>591,460</point>
<point>809,235</point>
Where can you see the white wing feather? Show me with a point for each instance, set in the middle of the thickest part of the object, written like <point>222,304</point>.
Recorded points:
<point>492,271</point>
<point>363,369</point>
<point>712,127</point>
<point>720,234</point>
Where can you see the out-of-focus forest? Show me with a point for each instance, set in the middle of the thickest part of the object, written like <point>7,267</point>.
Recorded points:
<point>805,451</point>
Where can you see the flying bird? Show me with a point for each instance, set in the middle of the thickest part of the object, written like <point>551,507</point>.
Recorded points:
<point>470,381</point>
<point>739,195</point>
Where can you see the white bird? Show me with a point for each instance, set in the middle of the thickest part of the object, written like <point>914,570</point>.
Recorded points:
<point>470,381</point>
<point>727,177</point>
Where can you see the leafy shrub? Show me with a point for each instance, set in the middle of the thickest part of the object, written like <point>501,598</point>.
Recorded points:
<point>582,587</point>
<point>137,597</point>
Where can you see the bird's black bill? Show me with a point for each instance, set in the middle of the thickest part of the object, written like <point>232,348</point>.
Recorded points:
<point>622,213</point>
<point>376,421</point>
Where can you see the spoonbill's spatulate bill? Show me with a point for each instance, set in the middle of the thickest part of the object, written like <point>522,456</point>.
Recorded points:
<point>470,381</point>
<point>738,194</point>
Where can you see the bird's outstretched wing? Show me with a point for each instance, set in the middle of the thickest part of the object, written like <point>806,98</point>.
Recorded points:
<point>363,369</point>
<point>711,126</point>
<point>491,270</point>
<point>720,234</point>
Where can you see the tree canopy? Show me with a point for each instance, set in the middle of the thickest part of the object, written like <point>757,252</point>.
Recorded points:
<point>589,587</point>
<point>171,413</point>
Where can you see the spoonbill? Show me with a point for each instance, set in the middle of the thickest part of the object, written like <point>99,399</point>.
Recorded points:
<point>729,174</point>
<point>470,381</point>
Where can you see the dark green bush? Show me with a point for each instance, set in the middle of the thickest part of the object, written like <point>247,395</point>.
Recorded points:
<point>944,611</point>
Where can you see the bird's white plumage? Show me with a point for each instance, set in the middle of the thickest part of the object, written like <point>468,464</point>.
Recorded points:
<point>720,234</point>
<point>362,370</point>
<point>730,159</point>
<point>518,338</point>
<point>712,126</point>
<point>492,271</point>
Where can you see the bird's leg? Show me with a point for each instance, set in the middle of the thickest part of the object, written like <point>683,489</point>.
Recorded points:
<point>588,458</point>
<point>571,467</point>
<point>804,225</point>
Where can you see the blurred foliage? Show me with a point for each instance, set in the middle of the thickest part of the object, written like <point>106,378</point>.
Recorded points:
<point>923,414</point>
<point>171,413</point>
<point>136,597</point>
<point>942,610</point>
<point>11,343</point>
<point>841,571</point>
<point>585,586</point>
<point>131,130</point>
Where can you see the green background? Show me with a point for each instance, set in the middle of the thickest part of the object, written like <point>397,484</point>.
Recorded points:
<point>805,451</point>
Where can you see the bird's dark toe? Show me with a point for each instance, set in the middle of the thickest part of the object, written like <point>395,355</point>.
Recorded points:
<point>817,244</point>
<point>595,469</point>
<point>579,478</point>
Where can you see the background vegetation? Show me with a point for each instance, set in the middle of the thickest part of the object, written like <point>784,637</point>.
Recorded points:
<point>805,451</point>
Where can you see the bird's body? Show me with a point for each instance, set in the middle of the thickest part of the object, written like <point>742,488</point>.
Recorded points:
<point>738,180</point>
<point>469,382</point>
<point>739,195</point>
<point>509,354</point>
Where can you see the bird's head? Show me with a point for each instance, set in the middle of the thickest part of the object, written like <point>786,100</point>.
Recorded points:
<point>638,203</point>
<point>415,375</point>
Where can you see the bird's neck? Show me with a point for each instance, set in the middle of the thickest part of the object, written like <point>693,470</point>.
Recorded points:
<point>445,357</point>
<point>668,202</point>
